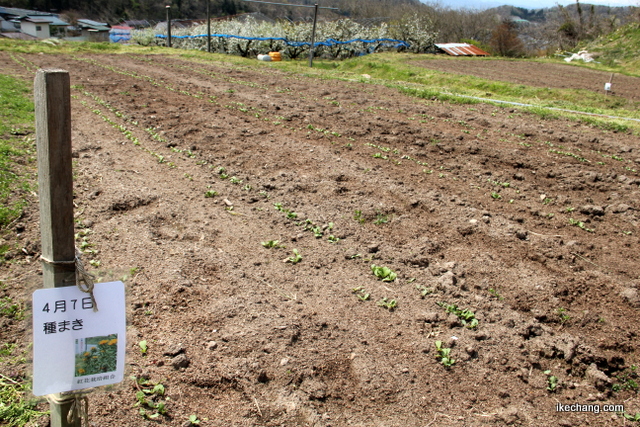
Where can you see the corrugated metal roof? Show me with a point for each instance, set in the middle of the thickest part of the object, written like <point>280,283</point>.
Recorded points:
<point>90,25</point>
<point>461,49</point>
<point>41,19</point>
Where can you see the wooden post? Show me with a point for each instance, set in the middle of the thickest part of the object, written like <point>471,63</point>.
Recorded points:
<point>55,188</point>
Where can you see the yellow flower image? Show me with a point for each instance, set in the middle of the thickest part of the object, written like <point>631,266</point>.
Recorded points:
<point>96,355</point>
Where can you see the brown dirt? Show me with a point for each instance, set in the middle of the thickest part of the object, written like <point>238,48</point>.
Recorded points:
<point>559,76</point>
<point>279,344</point>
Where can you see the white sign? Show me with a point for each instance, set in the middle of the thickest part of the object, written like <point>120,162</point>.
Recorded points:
<point>75,347</point>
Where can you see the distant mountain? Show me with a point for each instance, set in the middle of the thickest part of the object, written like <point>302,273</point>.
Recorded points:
<point>113,11</point>
<point>527,4</point>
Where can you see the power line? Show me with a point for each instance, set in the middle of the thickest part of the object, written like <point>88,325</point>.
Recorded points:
<point>293,5</point>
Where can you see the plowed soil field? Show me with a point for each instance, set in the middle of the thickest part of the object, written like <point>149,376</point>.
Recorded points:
<point>547,75</point>
<point>514,241</point>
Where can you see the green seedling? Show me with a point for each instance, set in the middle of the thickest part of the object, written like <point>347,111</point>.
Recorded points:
<point>317,232</point>
<point>361,293</point>
<point>210,193</point>
<point>383,273</point>
<point>628,380</point>
<point>296,258</point>
<point>357,215</point>
<point>564,317</point>
<point>495,294</point>
<point>333,239</point>
<point>278,207</point>
<point>444,355</point>
<point>569,154</point>
<point>552,381</point>
<point>148,398</point>
<point>292,215</point>
<point>388,304</point>
<point>235,180</point>
<point>381,219</point>
<point>11,309</point>
<point>630,417</point>
<point>495,195</point>
<point>424,291</point>
<point>269,244</point>
<point>193,420</point>
<point>143,347</point>
<point>580,225</point>
<point>466,316</point>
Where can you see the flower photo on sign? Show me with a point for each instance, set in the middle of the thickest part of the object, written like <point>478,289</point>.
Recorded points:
<point>96,355</point>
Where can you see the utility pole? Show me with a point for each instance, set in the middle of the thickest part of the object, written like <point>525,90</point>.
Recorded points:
<point>208,26</point>
<point>169,25</point>
<point>313,35</point>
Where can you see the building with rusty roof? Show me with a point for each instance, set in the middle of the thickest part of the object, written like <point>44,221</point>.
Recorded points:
<point>461,49</point>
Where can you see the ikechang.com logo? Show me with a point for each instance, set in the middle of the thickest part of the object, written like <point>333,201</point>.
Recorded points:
<point>594,408</point>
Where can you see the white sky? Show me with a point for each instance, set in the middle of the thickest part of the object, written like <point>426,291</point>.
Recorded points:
<point>528,4</point>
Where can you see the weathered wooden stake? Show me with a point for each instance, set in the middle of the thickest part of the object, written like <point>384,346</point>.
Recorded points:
<point>55,188</point>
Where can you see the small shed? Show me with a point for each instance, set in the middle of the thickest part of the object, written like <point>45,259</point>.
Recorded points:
<point>94,31</point>
<point>461,49</point>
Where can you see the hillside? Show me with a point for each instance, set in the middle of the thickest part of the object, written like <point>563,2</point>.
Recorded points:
<point>620,49</point>
<point>113,11</point>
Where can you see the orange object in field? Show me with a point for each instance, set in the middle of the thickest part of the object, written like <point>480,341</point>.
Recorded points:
<point>275,56</point>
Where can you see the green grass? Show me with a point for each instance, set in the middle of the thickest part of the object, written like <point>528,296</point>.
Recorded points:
<point>15,409</point>
<point>17,406</point>
<point>618,51</point>
<point>16,125</point>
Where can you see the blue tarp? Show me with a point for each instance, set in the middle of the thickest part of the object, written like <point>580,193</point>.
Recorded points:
<point>117,35</point>
<point>328,42</point>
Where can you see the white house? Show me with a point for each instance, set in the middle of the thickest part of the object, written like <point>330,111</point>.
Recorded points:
<point>40,26</point>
